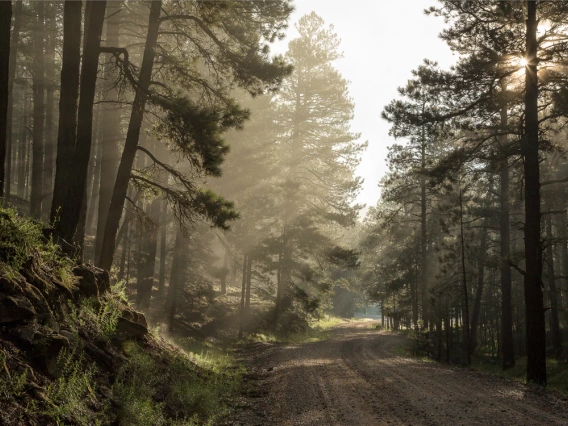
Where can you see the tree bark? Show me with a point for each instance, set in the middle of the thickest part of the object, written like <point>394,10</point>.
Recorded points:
<point>225,272</point>
<point>423,235</point>
<point>507,344</point>
<point>163,251</point>
<point>480,284</point>
<point>171,299</point>
<point>553,292</point>
<point>13,49</point>
<point>148,261</point>
<point>69,95</point>
<point>243,297</point>
<point>535,324</point>
<point>110,131</point>
<point>38,87</point>
<point>466,336</point>
<point>50,86</point>
<point>76,189</point>
<point>132,137</point>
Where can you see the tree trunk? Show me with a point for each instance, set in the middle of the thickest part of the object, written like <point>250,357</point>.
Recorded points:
<point>23,147</point>
<point>480,284</point>
<point>148,262</point>
<point>12,48</point>
<point>38,87</point>
<point>466,336</point>
<point>163,251</point>
<point>423,260</point>
<point>70,211</point>
<point>111,133</point>
<point>553,292</point>
<point>171,299</point>
<point>535,324</point>
<point>507,344</point>
<point>50,86</point>
<point>132,137</point>
<point>243,297</point>
<point>249,279</point>
<point>225,272</point>
<point>67,130</point>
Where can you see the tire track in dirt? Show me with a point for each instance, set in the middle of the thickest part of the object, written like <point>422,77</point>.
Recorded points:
<point>356,378</point>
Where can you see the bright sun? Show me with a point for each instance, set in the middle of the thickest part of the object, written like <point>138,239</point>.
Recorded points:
<point>523,62</point>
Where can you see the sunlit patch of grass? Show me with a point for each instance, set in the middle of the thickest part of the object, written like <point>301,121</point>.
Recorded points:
<point>193,384</point>
<point>327,323</point>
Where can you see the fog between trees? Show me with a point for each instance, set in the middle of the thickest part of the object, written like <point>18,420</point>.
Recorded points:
<point>165,142</point>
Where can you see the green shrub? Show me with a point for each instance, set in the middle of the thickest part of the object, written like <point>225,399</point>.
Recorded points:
<point>72,393</point>
<point>22,239</point>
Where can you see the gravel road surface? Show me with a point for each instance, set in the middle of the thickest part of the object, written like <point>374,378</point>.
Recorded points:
<point>356,378</point>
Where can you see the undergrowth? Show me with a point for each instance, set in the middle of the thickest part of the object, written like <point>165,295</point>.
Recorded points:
<point>556,371</point>
<point>21,240</point>
<point>99,315</point>
<point>193,390</point>
<point>319,330</point>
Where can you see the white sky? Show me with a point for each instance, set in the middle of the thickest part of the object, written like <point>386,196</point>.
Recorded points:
<point>382,41</point>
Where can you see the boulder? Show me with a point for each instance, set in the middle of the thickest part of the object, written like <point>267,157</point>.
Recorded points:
<point>92,281</point>
<point>87,281</point>
<point>15,308</point>
<point>134,316</point>
<point>126,329</point>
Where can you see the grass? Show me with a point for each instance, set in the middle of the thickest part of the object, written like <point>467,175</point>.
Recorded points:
<point>556,371</point>
<point>22,239</point>
<point>193,385</point>
<point>319,330</point>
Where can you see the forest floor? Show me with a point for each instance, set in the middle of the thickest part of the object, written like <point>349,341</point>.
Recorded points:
<point>357,377</point>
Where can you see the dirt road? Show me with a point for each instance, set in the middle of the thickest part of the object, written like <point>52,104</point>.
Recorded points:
<point>356,378</point>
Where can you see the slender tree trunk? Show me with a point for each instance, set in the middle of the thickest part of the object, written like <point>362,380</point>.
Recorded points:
<point>111,129</point>
<point>535,324</point>
<point>69,95</point>
<point>507,345</point>
<point>148,263</point>
<point>480,284</point>
<point>50,86</point>
<point>163,251</point>
<point>466,336</point>
<point>132,137</point>
<point>38,87</point>
<point>94,178</point>
<point>171,299</point>
<point>22,151</point>
<point>13,49</point>
<point>225,272</point>
<point>76,189</point>
<point>243,297</point>
<point>423,235</point>
<point>125,244</point>
<point>553,292</point>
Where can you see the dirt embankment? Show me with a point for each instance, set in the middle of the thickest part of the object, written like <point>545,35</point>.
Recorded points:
<point>356,378</point>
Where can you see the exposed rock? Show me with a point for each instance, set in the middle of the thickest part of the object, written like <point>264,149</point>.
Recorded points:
<point>69,335</point>
<point>47,350</point>
<point>92,281</point>
<point>7,286</point>
<point>134,316</point>
<point>15,308</point>
<point>87,281</point>
<point>126,329</point>
<point>26,333</point>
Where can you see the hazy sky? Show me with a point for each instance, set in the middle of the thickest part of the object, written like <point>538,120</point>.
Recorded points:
<point>382,41</point>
